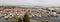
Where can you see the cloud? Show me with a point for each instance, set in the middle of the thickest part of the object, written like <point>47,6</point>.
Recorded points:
<point>31,2</point>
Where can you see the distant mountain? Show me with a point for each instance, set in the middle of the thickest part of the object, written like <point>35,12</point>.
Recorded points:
<point>31,6</point>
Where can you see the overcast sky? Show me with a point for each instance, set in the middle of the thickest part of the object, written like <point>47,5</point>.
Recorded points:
<point>31,2</point>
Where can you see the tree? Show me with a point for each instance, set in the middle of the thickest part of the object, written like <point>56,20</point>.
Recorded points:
<point>17,20</point>
<point>26,18</point>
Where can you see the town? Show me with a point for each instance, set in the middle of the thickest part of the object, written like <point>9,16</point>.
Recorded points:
<point>11,12</point>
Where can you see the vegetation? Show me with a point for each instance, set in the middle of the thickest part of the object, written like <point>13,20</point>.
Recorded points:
<point>17,20</point>
<point>8,7</point>
<point>26,18</point>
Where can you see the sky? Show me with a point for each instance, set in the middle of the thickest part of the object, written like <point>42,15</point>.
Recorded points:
<point>31,2</point>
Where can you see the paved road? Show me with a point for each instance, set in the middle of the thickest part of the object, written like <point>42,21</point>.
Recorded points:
<point>54,19</point>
